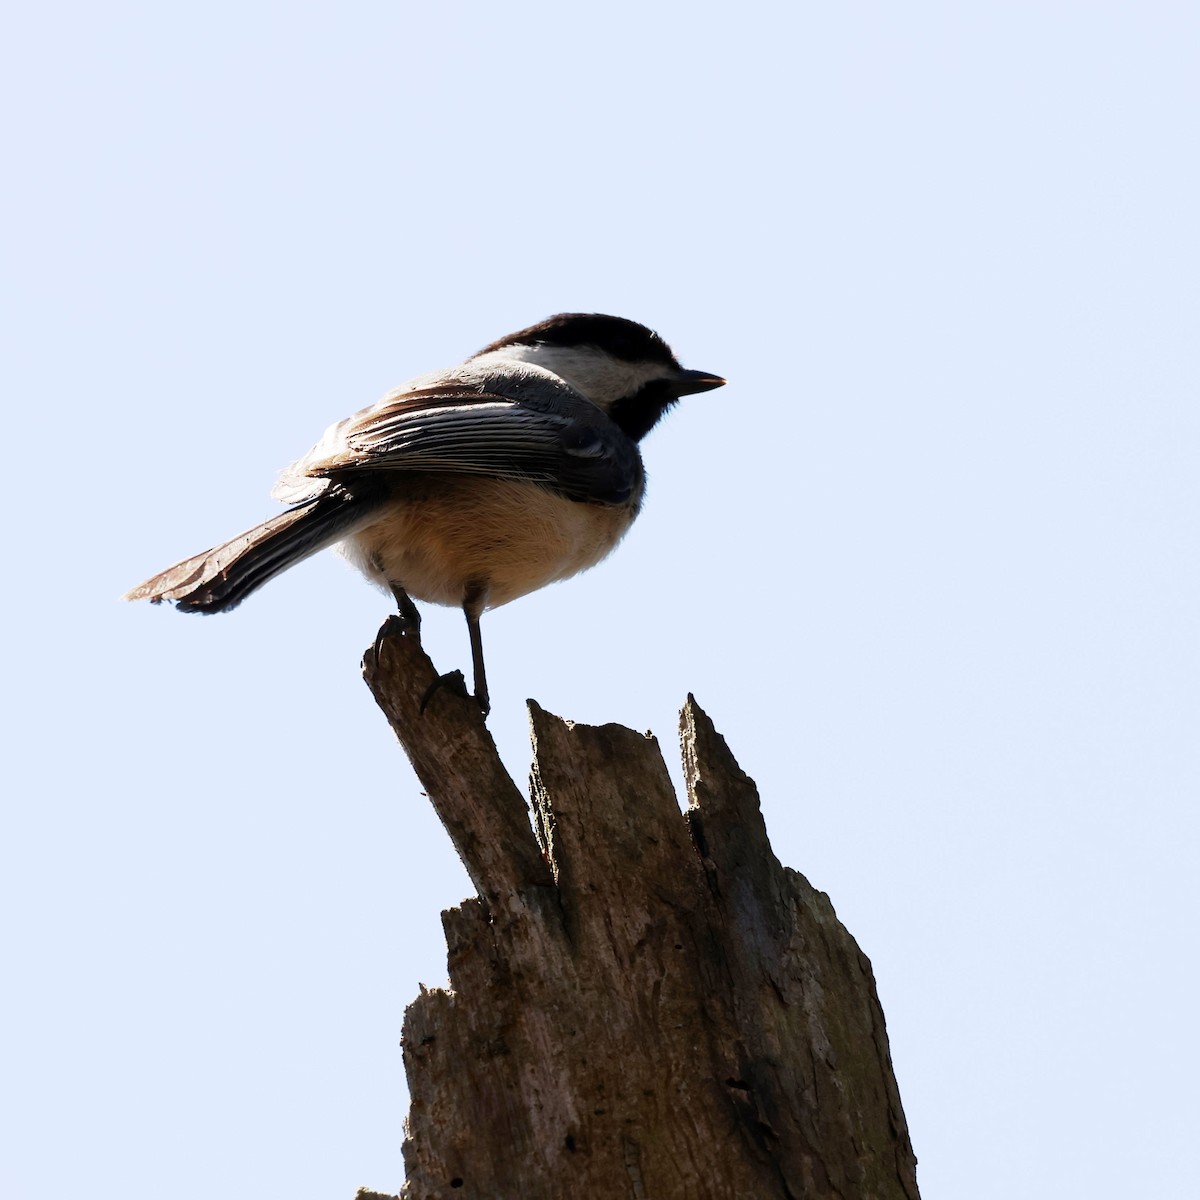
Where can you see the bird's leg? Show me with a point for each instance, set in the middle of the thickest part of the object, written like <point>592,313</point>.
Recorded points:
<point>404,605</point>
<point>407,615</point>
<point>407,609</point>
<point>473,606</point>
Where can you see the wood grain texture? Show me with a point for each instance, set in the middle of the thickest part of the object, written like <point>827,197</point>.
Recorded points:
<point>642,1002</point>
<point>456,761</point>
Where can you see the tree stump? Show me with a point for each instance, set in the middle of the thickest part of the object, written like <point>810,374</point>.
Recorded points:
<point>643,1002</point>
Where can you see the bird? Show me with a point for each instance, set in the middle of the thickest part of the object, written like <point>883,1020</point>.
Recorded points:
<point>470,486</point>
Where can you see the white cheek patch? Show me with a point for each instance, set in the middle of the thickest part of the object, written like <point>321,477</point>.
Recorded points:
<point>600,377</point>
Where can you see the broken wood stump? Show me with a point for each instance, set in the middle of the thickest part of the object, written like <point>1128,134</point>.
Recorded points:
<point>642,1001</point>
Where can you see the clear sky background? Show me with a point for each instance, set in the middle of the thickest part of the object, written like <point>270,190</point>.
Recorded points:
<point>929,560</point>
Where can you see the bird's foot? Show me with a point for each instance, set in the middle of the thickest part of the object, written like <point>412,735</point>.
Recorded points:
<point>394,626</point>
<point>406,608</point>
<point>455,682</point>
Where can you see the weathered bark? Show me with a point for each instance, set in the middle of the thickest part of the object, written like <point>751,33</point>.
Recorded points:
<point>642,1003</point>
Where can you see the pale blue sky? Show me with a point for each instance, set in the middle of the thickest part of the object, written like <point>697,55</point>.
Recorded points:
<point>929,560</point>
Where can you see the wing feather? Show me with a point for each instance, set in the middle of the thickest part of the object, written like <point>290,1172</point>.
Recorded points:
<point>533,427</point>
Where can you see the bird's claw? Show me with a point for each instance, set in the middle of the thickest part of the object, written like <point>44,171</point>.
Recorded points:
<point>453,680</point>
<point>394,626</point>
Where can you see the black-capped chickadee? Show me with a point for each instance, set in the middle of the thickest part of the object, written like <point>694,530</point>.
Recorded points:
<point>469,486</point>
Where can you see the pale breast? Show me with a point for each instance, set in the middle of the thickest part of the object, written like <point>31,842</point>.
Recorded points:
<point>443,535</point>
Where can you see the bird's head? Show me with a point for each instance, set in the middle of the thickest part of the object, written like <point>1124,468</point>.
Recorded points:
<point>622,367</point>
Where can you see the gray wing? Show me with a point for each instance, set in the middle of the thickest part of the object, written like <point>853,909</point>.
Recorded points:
<point>532,427</point>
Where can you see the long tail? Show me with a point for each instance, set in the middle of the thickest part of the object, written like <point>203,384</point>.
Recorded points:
<point>221,578</point>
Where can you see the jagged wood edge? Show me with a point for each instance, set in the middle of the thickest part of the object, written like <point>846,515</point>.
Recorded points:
<point>486,818</point>
<point>456,761</point>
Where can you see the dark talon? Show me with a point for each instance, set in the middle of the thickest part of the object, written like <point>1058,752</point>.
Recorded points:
<point>454,680</point>
<point>393,627</point>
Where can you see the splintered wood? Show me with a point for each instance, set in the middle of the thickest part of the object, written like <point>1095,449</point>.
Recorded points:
<point>643,1002</point>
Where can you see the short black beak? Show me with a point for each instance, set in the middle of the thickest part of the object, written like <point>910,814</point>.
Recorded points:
<point>688,382</point>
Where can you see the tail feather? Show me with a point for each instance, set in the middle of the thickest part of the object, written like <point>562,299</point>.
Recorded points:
<point>221,578</point>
